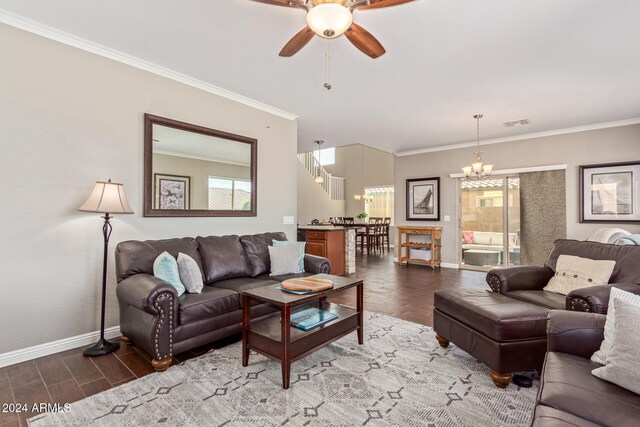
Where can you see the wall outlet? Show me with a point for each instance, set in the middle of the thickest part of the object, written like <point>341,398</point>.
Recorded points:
<point>447,218</point>
<point>288,220</point>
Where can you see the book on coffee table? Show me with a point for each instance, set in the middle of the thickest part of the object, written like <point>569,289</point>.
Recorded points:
<point>311,318</point>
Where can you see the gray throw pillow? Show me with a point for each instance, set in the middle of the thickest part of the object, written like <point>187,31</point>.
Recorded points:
<point>190,274</point>
<point>623,364</point>
<point>284,260</point>
<point>616,294</point>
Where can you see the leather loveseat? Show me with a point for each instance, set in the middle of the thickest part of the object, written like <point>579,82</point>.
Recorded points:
<point>569,394</point>
<point>163,324</point>
<point>526,283</point>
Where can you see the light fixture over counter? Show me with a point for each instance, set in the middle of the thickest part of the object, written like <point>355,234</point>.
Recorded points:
<point>477,170</point>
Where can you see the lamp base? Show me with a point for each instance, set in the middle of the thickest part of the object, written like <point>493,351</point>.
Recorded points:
<point>101,348</point>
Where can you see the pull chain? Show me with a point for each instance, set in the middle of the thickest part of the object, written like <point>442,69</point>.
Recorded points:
<point>327,66</point>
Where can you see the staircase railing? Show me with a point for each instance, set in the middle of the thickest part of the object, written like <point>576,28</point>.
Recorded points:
<point>332,185</point>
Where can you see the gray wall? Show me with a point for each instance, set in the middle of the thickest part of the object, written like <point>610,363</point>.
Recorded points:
<point>350,164</point>
<point>69,118</point>
<point>582,148</point>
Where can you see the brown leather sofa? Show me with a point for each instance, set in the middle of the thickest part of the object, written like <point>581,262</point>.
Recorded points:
<point>569,394</point>
<point>526,283</point>
<point>163,324</point>
<point>506,329</point>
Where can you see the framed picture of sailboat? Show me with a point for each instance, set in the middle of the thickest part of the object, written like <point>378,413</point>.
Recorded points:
<point>423,199</point>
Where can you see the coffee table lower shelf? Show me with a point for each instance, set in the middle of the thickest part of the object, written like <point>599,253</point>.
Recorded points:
<point>265,334</point>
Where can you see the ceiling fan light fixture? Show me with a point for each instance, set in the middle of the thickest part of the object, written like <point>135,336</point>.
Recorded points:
<point>329,20</point>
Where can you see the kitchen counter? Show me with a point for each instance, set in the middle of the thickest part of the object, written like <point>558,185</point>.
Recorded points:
<point>334,242</point>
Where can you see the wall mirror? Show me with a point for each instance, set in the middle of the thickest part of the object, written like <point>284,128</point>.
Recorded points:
<point>191,170</point>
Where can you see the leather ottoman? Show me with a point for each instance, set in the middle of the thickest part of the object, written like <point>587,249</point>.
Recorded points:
<point>505,334</point>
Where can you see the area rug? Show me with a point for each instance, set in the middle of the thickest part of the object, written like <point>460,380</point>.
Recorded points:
<point>400,376</point>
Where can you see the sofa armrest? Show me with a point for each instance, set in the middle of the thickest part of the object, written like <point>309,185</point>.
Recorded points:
<point>316,264</point>
<point>142,290</point>
<point>575,333</point>
<point>595,299</point>
<point>520,278</point>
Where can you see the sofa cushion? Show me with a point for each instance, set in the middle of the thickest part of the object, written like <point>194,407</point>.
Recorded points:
<point>284,260</point>
<point>551,300</point>
<point>223,258</point>
<point>623,365</point>
<point>190,274</point>
<point>244,284</point>
<point>482,237</point>
<point>165,267</point>
<point>573,272</point>
<point>212,301</point>
<point>567,385</point>
<point>600,356</point>
<point>496,316</point>
<point>135,257</point>
<point>545,416</point>
<point>627,257</point>
<point>257,252</point>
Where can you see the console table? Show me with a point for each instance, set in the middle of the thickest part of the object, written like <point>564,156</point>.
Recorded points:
<point>405,244</point>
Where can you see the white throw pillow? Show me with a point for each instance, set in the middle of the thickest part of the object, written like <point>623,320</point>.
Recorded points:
<point>573,272</point>
<point>190,274</point>
<point>600,356</point>
<point>284,260</point>
<point>165,267</point>
<point>623,365</point>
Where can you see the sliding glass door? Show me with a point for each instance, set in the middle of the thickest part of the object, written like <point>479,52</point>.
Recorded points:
<point>489,222</point>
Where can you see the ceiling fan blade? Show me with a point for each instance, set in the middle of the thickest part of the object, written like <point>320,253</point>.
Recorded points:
<point>363,40</point>
<point>376,4</point>
<point>281,2</point>
<point>298,41</point>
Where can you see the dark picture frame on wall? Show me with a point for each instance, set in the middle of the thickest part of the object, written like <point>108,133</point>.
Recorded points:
<point>423,199</point>
<point>609,192</point>
<point>172,191</point>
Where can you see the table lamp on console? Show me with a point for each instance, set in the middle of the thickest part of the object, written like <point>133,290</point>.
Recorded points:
<point>107,198</point>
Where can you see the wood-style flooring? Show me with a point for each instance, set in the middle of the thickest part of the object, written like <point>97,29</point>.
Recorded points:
<point>404,292</point>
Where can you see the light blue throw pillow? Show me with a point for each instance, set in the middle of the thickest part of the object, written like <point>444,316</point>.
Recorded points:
<point>300,245</point>
<point>165,267</point>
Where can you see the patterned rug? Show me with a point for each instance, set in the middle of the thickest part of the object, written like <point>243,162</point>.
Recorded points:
<point>399,376</point>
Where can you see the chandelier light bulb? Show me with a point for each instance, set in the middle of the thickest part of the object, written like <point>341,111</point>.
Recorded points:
<point>329,20</point>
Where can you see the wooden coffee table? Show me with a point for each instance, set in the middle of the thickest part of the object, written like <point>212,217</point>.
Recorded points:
<point>280,341</point>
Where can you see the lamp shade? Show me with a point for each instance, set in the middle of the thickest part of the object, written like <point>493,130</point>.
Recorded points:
<point>107,197</point>
<point>329,20</point>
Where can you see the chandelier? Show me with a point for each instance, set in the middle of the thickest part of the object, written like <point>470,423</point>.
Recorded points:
<point>363,197</point>
<point>477,170</point>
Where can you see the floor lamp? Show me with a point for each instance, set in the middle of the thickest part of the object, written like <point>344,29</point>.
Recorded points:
<point>107,198</point>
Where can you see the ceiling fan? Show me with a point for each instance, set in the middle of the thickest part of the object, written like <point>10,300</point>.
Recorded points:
<point>332,18</point>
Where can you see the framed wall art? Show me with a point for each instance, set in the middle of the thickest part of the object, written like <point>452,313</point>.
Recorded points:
<point>172,191</point>
<point>423,199</point>
<point>609,192</point>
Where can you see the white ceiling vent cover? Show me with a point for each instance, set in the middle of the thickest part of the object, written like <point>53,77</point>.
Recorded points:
<point>520,122</point>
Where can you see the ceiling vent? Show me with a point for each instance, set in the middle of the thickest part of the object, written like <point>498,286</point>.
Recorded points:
<point>513,123</point>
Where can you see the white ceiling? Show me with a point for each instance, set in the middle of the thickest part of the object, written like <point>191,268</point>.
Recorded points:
<point>559,63</point>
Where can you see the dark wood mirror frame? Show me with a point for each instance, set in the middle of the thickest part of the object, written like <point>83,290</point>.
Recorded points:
<point>150,211</point>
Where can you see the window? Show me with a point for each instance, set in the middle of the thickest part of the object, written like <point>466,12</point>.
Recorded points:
<point>229,194</point>
<point>328,156</point>
<point>382,204</point>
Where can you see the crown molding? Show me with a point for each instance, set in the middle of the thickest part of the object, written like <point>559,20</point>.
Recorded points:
<point>576,129</point>
<point>26,24</point>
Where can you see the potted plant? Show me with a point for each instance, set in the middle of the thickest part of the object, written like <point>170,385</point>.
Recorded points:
<point>362,216</point>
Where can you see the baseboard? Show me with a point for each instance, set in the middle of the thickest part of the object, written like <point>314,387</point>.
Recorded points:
<point>52,347</point>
